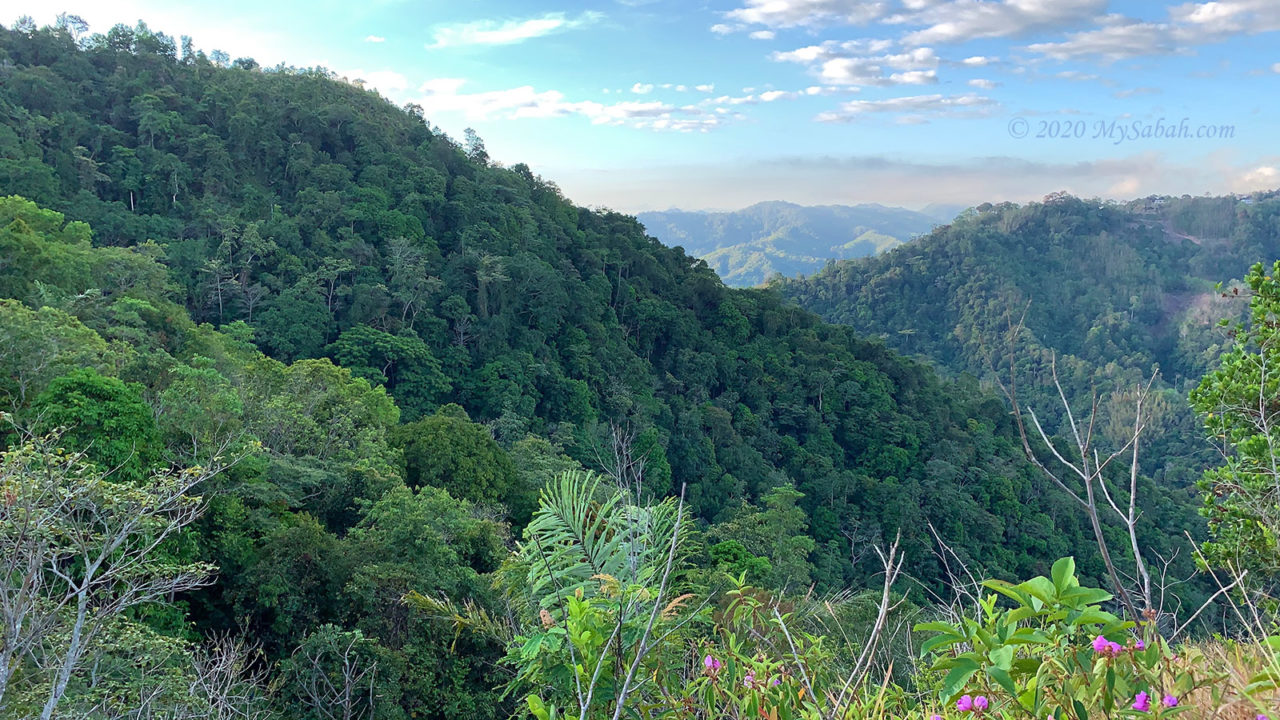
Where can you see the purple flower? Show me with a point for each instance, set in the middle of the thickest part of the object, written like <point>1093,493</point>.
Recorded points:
<point>1263,717</point>
<point>935,717</point>
<point>1139,645</point>
<point>749,680</point>
<point>776,681</point>
<point>711,663</point>
<point>980,703</point>
<point>965,703</point>
<point>1099,644</point>
<point>1114,649</point>
<point>1142,702</point>
<point>1169,701</point>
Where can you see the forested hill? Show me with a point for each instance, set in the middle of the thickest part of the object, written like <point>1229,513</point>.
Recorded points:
<point>747,246</point>
<point>1113,290</point>
<point>405,341</point>
<point>1130,284</point>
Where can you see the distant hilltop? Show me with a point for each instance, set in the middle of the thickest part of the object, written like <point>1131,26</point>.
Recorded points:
<point>746,247</point>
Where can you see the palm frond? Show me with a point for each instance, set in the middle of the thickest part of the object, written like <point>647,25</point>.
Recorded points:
<point>469,616</point>
<point>584,529</point>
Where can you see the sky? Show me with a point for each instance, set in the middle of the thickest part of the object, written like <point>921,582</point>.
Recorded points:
<point>716,104</point>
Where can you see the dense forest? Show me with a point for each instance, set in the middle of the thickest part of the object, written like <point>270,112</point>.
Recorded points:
<point>398,332</point>
<point>390,369</point>
<point>1131,284</point>
<point>745,247</point>
<point>1113,292</point>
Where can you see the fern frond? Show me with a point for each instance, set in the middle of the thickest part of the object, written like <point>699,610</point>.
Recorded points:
<point>584,530</point>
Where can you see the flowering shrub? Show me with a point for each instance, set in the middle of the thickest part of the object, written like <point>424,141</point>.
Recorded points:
<point>1057,653</point>
<point>747,658</point>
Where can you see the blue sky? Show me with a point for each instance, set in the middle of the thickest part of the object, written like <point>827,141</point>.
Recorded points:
<point>649,104</point>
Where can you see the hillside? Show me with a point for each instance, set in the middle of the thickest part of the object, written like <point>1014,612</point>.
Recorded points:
<point>404,342</point>
<point>747,246</point>
<point>1114,290</point>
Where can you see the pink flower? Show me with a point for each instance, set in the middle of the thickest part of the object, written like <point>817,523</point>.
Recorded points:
<point>1142,702</point>
<point>980,703</point>
<point>1103,646</point>
<point>711,663</point>
<point>1263,717</point>
<point>1169,701</point>
<point>965,703</point>
<point>1139,645</point>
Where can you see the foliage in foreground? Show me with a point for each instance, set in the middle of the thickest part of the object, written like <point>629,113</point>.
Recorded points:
<point>644,641</point>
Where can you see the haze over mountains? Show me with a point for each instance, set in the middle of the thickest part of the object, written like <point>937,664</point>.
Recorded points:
<point>746,247</point>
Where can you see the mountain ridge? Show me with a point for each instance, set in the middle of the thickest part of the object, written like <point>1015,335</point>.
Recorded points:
<point>749,245</point>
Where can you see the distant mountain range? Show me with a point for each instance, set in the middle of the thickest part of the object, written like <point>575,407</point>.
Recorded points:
<point>747,246</point>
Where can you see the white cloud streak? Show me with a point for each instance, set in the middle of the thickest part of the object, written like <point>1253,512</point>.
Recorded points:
<point>446,96</point>
<point>849,64</point>
<point>913,108</point>
<point>507,32</point>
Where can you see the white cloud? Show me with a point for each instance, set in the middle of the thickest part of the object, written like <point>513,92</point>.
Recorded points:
<point>1275,68</point>
<point>1076,76</point>
<point>1228,17</point>
<point>915,106</point>
<point>1190,24</point>
<point>710,87</point>
<point>723,29</point>
<point>833,49</point>
<point>763,35</point>
<point>845,64</point>
<point>445,96</point>
<point>1135,92</point>
<point>1265,177</point>
<point>388,82</point>
<point>375,39</point>
<point>507,32</point>
<point>983,83</point>
<point>1118,40</point>
<point>940,21</point>
<point>978,61</point>
<point>808,13</point>
<point>955,21</point>
<point>835,179</point>
<point>642,88</point>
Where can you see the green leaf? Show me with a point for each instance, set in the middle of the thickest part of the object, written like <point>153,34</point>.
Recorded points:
<point>537,707</point>
<point>1040,588</point>
<point>959,676</point>
<point>1064,573</point>
<point>1009,591</point>
<point>1002,657</point>
<point>1094,617</point>
<point>1003,680</point>
<point>1077,596</point>
<point>938,642</point>
<point>941,627</point>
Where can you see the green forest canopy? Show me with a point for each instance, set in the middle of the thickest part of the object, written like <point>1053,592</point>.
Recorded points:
<point>287,269</point>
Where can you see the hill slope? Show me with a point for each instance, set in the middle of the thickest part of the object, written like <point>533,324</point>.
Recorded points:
<point>440,335</point>
<point>747,246</point>
<point>333,224</point>
<point>1113,290</point>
